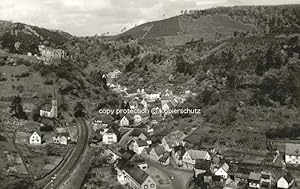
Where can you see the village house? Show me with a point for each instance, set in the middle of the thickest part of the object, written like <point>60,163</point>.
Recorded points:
<point>36,138</point>
<point>137,145</point>
<point>111,136</point>
<point>167,93</point>
<point>61,138</point>
<point>190,156</point>
<point>174,139</point>
<point>266,180</point>
<point>156,153</point>
<point>101,121</point>
<point>124,122</point>
<point>254,180</point>
<point>146,153</point>
<point>141,164</point>
<point>165,159</point>
<point>239,173</point>
<point>177,154</point>
<point>292,153</point>
<point>222,171</point>
<point>114,154</point>
<point>284,182</point>
<point>139,118</point>
<point>134,177</point>
<point>152,96</point>
<point>138,134</point>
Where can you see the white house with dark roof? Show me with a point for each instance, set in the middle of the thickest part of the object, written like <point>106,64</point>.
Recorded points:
<point>134,177</point>
<point>110,136</point>
<point>254,180</point>
<point>36,138</point>
<point>61,138</point>
<point>190,156</point>
<point>165,159</point>
<point>137,145</point>
<point>284,182</point>
<point>156,153</point>
<point>124,122</point>
<point>292,153</point>
<point>223,171</point>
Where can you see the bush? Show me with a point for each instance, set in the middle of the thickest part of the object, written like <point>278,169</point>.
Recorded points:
<point>3,138</point>
<point>47,128</point>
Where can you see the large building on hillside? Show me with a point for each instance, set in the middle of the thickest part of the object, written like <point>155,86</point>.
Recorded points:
<point>49,54</point>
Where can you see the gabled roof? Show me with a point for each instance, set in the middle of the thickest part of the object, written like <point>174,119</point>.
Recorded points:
<point>254,176</point>
<point>203,164</point>
<point>292,149</point>
<point>142,143</point>
<point>136,173</point>
<point>38,132</point>
<point>46,107</point>
<point>147,149</point>
<point>137,132</point>
<point>165,157</point>
<point>288,177</point>
<point>197,154</point>
<point>159,150</point>
<point>113,130</point>
<point>179,148</point>
<point>225,167</point>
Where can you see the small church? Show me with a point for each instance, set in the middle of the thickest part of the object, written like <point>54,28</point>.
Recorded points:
<point>50,111</point>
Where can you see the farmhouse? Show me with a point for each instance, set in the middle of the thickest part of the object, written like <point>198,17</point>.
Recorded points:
<point>223,171</point>
<point>134,177</point>
<point>126,120</point>
<point>61,138</point>
<point>190,157</point>
<point>254,180</point>
<point>110,136</point>
<point>285,181</point>
<point>292,153</point>
<point>36,138</point>
<point>137,145</point>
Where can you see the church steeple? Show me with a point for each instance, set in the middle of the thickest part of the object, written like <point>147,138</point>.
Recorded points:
<point>54,108</point>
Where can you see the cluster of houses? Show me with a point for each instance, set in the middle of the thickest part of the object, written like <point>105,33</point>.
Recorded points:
<point>211,169</point>
<point>37,138</point>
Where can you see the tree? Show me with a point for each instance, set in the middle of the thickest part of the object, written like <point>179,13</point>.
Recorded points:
<point>180,64</point>
<point>79,110</point>
<point>17,109</point>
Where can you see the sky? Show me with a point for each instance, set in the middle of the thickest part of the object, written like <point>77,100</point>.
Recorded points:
<point>90,17</point>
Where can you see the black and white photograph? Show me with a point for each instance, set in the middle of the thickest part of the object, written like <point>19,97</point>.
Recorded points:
<point>149,94</point>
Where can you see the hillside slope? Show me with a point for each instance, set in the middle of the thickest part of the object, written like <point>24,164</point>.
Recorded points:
<point>181,29</point>
<point>22,38</point>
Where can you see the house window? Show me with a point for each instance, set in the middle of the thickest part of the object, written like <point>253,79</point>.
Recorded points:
<point>152,186</point>
<point>146,186</point>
